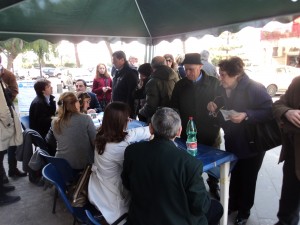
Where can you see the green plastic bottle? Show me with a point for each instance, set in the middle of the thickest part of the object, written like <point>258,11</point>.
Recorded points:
<point>191,133</point>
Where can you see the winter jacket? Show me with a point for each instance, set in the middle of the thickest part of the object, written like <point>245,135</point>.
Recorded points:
<point>159,90</point>
<point>191,99</point>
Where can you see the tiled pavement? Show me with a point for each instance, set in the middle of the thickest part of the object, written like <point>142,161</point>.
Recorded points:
<point>36,204</point>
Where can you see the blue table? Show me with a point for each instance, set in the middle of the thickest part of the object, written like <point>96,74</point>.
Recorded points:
<point>215,158</point>
<point>211,158</point>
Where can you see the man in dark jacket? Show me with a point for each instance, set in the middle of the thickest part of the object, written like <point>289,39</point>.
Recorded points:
<point>159,88</point>
<point>42,107</point>
<point>125,80</point>
<point>94,107</point>
<point>166,193</point>
<point>190,97</point>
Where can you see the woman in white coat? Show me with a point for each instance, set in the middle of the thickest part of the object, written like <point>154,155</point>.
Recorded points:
<point>105,189</point>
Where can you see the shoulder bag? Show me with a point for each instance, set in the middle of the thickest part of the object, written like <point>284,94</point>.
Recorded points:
<point>79,192</point>
<point>263,136</point>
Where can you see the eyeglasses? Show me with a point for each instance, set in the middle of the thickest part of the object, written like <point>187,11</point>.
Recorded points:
<point>168,60</point>
<point>215,113</point>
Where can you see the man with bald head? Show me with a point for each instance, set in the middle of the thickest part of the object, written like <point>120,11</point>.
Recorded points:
<point>190,97</point>
<point>159,88</point>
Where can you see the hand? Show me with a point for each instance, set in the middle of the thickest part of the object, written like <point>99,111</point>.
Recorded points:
<point>237,117</point>
<point>104,89</point>
<point>293,116</point>
<point>212,107</point>
<point>91,111</point>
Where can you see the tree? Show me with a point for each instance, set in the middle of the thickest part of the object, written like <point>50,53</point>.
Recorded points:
<point>42,49</point>
<point>11,49</point>
<point>76,56</point>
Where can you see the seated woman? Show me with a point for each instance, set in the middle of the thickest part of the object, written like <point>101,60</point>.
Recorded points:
<point>84,101</point>
<point>74,132</point>
<point>106,190</point>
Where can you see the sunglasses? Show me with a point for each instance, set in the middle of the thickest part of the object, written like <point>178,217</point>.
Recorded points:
<point>169,60</point>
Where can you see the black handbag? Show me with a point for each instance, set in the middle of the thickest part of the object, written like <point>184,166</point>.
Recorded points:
<point>263,136</point>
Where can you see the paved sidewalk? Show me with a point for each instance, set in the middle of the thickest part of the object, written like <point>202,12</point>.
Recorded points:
<point>36,204</point>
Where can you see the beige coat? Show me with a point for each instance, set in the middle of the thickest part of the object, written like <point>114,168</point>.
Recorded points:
<point>10,128</point>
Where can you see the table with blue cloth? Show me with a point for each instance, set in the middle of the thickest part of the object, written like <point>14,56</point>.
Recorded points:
<point>215,162</point>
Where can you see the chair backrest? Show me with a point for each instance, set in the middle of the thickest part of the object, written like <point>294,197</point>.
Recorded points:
<point>51,174</point>
<point>62,165</point>
<point>91,218</point>
<point>25,122</point>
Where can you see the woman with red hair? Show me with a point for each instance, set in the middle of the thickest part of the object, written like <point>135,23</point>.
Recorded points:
<point>102,85</point>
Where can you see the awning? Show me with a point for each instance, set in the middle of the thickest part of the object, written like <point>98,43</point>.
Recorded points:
<point>148,21</point>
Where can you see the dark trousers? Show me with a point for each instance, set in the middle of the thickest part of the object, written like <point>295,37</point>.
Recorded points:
<point>243,184</point>
<point>2,153</point>
<point>214,213</point>
<point>11,157</point>
<point>289,204</point>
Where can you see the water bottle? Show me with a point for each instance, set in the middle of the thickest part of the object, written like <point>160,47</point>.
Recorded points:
<point>191,141</point>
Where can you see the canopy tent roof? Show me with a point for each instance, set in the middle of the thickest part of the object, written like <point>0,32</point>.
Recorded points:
<point>148,21</point>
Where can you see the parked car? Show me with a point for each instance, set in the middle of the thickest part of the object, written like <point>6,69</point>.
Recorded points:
<point>36,74</point>
<point>275,78</point>
<point>49,71</point>
<point>81,73</point>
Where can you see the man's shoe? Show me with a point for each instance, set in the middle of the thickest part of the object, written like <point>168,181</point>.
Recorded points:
<point>5,179</point>
<point>242,217</point>
<point>6,189</point>
<point>16,173</point>
<point>6,199</point>
<point>240,221</point>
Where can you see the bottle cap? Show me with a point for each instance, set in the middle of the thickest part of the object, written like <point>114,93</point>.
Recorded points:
<point>190,117</point>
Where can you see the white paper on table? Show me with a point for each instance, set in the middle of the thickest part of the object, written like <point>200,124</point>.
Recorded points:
<point>227,113</point>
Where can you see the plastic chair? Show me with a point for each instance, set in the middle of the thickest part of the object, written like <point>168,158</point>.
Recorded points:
<point>51,174</point>
<point>67,173</point>
<point>94,219</point>
<point>25,122</point>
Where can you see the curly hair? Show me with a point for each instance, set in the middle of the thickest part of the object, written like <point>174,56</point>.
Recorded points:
<point>233,66</point>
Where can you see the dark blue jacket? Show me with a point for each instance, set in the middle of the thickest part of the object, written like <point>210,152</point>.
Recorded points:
<point>94,104</point>
<point>250,97</point>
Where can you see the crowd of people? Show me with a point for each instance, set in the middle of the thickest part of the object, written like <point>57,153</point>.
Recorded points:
<point>129,169</point>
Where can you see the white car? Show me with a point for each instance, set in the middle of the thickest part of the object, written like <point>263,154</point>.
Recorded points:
<point>80,73</point>
<point>275,78</point>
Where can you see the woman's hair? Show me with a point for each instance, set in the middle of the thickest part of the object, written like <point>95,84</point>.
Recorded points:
<point>170,57</point>
<point>233,66</point>
<point>165,123</point>
<point>66,108</point>
<point>40,86</point>
<point>81,97</point>
<point>113,125</point>
<point>98,75</point>
<point>145,69</point>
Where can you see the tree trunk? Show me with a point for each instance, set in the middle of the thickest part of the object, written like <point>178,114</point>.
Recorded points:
<point>183,47</point>
<point>109,48</point>
<point>77,56</point>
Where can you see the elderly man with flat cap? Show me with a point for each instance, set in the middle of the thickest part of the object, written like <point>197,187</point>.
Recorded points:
<point>190,97</point>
